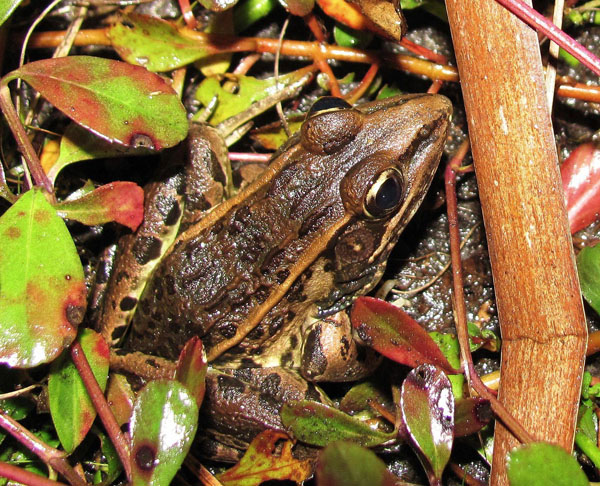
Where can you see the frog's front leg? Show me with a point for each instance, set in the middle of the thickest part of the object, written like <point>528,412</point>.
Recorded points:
<point>330,353</point>
<point>195,176</point>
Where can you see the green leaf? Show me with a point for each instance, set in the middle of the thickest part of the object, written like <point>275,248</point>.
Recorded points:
<point>153,43</point>
<point>163,425</point>
<point>7,7</point>
<point>540,464</point>
<point>122,202</point>
<point>70,406</point>
<point>348,464</point>
<point>393,333</point>
<point>117,101</point>
<point>319,424</point>
<point>250,90</point>
<point>588,267</point>
<point>427,406</point>
<point>42,290</point>
<point>261,463</point>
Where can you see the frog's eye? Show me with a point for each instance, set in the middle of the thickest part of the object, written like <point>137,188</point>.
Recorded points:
<point>328,103</point>
<point>385,195</point>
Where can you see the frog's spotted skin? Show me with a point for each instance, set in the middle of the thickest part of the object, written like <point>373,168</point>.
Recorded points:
<point>311,233</point>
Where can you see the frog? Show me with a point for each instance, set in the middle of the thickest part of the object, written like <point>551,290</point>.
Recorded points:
<point>266,275</point>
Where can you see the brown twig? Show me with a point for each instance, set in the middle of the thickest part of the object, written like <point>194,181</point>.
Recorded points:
<point>537,292</point>
<point>566,89</point>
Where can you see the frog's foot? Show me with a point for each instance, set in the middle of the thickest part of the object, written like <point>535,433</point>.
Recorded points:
<point>331,354</point>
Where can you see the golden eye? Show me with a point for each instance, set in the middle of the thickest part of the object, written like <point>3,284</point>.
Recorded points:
<point>385,195</point>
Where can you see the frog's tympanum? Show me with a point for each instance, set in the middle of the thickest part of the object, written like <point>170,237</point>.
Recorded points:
<point>260,276</point>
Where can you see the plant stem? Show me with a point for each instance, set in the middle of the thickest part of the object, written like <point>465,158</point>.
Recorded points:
<point>102,407</point>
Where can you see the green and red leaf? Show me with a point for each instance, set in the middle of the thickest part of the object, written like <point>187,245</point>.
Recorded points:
<point>347,464</point>
<point>427,406</point>
<point>192,366</point>
<point>122,202</point>
<point>42,289</point>
<point>153,43</point>
<point>319,424</point>
<point>117,101</point>
<point>393,333</point>
<point>261,463</point>
<point>162,427</point>
<point>71,409</point>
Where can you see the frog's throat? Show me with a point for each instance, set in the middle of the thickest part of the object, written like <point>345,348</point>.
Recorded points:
<point>306,260</point>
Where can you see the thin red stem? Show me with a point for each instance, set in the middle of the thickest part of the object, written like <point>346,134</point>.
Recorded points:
<point>21,475</point>
<point>102,407</point>
<point>542,24</point>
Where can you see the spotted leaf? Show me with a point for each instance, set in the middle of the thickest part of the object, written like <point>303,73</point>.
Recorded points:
<point>262,463</point>
<point>162,427</point>
<point>153,43</point>
<point>117,101</point>
<point>393,333</point>
<point>319,424</point>
<point>71,409</point>
<point>42,291</point>
<point>427,406</point>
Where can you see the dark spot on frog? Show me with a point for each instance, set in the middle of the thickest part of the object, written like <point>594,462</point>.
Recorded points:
<point>269,402</point>
<point>294,340</point>
<point>146,248</point>
<point>121,275</point>
<point>248,363</point>
<point>328,267</point>
<point>145,456</point>
<point>275,325</point>
<point>362,332</point>
<point>75,314</point>
<point>286,358</point>
<point>281,275</point>
<point>127,303</point>
<point>345,347</point>
<point>314,362</point>
<point>173,215</point>
<point>271,384</point>
<point>256,333</point>
<point>118,332</point>
<point>226,329</point>
<point>169,284</point>
<point>230,387</point>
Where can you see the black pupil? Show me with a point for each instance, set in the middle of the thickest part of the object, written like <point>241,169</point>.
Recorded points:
<point>328,103</point>
<point>388,194</point>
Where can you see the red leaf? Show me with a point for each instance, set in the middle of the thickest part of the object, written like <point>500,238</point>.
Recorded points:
<point>119,201</point>
<point>192,367</point>
<point>393,333</point>
<point>581,184</point>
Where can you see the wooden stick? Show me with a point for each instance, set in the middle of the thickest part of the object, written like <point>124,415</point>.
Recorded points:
<point>539,303</point>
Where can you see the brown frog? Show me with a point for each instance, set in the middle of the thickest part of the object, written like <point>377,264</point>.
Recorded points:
<point>259,276</point>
